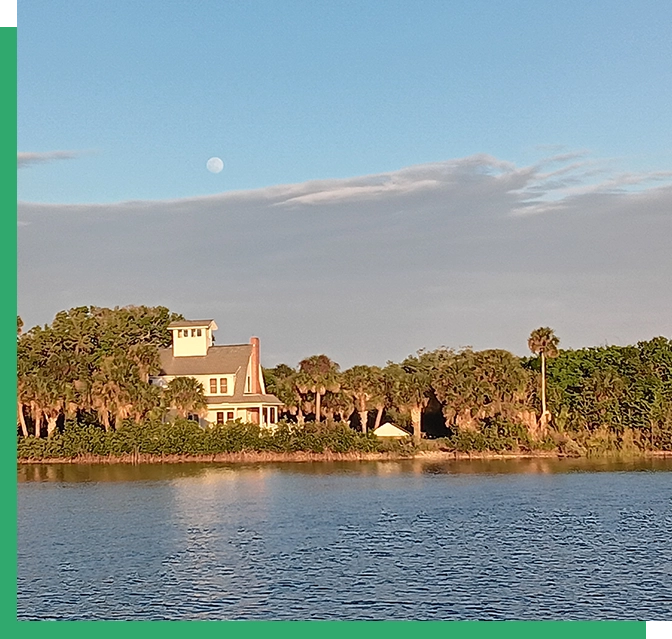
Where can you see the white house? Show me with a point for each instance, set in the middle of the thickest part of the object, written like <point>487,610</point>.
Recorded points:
<point>231,375</point>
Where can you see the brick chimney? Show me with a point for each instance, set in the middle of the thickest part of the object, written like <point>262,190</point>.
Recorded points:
<point>254,365</point>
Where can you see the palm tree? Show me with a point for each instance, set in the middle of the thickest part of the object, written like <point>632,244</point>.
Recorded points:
<point>281,381</point>
<point>360,383</point>
<point>319,375</point>
<point>104,396</point>
<point>185,395</point>
<point>544,342</point>
<point>339,403</point>
<point>379,398</point>
<point>409,390</point>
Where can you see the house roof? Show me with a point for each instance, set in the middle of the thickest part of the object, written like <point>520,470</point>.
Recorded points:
<point>184,323</point>
<point>390,430</point>
<point>220,360</point>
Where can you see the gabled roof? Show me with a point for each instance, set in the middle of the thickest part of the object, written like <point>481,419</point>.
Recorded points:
<point>390,430</point>
<point>195,323</point>
<point>220,360</point>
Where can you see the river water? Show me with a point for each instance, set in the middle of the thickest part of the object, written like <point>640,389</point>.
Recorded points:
<point>518,539</point>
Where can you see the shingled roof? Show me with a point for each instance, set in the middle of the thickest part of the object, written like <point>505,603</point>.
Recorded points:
<point>220,360</point>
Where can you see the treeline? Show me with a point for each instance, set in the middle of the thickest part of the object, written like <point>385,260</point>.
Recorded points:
<point>620,396</point>
<point>90,369</point>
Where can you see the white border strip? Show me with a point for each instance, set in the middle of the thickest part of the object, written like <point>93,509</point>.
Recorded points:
<point>8,13</point>
<point>658,629</point>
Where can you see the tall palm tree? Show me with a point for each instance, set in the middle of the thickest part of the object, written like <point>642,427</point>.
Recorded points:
<point>543,341</point>
<point>409,390</point>
<point>360,383</point>
<point>320,374</point>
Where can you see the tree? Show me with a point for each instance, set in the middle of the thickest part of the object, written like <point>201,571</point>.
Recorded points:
<point>339,403</point>
<point>544,342</point>
<point>361,383</point>
<point>379,397</point>
<point>475,386</point>
<point>283,382</point>
<point>409,388</point>
<point>318,375</point>
<point>90,359</point>
<point>185,395</point>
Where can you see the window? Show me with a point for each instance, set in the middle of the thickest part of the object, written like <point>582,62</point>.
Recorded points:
<point>198,332</point>
<point>229,416</point>
<point>179,333</point>
<point>248,385</point>
<point>223,386</point>
<point>271,412</point>
<point>193,332</point>
<point>264,412</point>
<point>213,386</point>
<point>220,417</point>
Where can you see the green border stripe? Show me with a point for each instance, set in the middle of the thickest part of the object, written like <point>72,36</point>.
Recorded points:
<point>7,315</point>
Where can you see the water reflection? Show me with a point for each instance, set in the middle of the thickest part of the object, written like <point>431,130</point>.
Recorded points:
<point>211,471</point>
<point>412,539</point>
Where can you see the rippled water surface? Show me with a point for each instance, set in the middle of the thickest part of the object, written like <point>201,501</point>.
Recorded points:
<point>524,539</point>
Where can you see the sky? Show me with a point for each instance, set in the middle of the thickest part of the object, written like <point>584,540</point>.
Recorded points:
<point>396,175</point>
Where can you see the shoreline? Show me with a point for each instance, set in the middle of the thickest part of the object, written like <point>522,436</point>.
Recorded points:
<point>247,457</point>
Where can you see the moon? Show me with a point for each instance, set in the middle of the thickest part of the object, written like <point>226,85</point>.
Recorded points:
<point>214,165</point>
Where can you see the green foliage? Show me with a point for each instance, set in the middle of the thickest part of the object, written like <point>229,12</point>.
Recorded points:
<point>91,359</point>
<point>615,387</point>
<point>494,434</point>
<point>33,448</point>
<point>90,368</point>
<point>184,437</point>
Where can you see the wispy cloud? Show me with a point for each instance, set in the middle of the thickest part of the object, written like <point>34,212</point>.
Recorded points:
<point>26,159</point>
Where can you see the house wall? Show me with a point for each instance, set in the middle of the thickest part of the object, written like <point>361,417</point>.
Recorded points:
<point>205,381</point>
<point>267,414</point>
<point>187,342</point>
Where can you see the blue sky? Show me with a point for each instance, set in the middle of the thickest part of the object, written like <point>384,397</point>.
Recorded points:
<point>291,91</point>
<point>124,101</point>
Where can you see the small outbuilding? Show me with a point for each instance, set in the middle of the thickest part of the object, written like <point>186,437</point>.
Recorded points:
<point>390,431</point>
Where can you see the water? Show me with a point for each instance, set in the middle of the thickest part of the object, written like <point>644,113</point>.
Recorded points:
<point>522,539</point>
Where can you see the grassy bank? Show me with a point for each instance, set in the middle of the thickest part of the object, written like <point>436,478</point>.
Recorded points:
<point>185,441</point>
